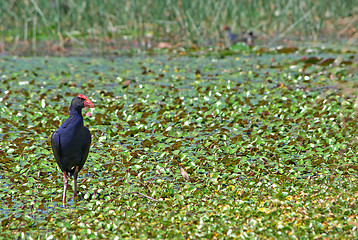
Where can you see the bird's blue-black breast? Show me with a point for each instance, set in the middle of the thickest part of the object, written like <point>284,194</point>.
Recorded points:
<point>71,143</point>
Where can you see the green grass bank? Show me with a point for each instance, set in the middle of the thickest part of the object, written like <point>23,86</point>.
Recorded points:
<point>120,23</point>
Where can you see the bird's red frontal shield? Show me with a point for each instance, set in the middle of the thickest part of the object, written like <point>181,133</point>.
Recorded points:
<point>88,102</point>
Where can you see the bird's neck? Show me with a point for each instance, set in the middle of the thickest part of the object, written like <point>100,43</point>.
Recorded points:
<point>76,113</point>
<point>231,35</point>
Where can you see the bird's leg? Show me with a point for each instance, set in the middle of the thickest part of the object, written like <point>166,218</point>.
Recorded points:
<point>75,174</point>
<point>65,184</point>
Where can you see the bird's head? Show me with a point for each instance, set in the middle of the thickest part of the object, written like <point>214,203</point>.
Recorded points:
<point>81,101</point>
<point>226,28</point>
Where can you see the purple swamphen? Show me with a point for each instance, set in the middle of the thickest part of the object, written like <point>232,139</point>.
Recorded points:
<point>246,37</point>
<point>71,143</point>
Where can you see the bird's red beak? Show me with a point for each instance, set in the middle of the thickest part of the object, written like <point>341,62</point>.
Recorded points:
<point>87,102</point>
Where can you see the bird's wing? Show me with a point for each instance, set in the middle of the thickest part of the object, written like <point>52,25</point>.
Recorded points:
<point>55,144</point>
<point>85,150</point>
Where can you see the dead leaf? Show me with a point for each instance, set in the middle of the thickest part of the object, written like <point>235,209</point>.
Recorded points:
<point>184,174</point>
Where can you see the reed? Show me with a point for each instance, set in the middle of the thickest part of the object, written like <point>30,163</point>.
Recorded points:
<point>176,21</point>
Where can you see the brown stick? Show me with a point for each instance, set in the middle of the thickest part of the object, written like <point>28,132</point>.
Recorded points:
<point>141,194</point>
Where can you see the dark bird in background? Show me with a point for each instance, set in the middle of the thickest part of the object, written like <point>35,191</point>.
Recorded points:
<point>246,37</point>
<point>71,143</point>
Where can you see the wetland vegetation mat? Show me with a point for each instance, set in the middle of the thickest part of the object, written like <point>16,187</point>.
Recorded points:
<point>269,141</point>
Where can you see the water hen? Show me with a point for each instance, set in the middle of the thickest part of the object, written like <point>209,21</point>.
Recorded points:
<point>71,143</point>
<point>246,37</point>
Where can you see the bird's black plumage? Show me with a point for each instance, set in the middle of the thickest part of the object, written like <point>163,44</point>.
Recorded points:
<point>71,142</point>
<point>246,37</point>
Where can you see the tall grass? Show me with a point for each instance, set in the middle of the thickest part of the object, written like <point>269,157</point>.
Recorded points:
<point>187,21</point>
